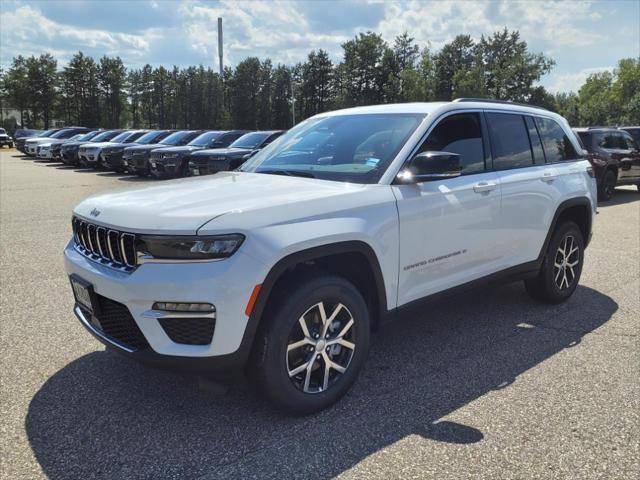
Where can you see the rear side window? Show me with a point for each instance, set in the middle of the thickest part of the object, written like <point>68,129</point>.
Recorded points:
<point>509,141</point>
<point>459,134</point>
<point>608,140</point>
<point>556,143</point>
<point>536,145</point>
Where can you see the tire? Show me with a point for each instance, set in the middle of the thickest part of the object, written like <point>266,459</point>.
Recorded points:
<point>607,186</point>
<point>306,391</point>
<point>559,275</point>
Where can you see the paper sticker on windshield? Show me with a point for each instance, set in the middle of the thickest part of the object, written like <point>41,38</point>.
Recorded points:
<point>372,161</point>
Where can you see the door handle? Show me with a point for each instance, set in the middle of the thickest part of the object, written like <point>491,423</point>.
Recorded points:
<point>548,177</point>
<point>484,187</point>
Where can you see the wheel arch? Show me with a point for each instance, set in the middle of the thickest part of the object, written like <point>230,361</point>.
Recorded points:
<point>577,210</point>
<point>333,258</point>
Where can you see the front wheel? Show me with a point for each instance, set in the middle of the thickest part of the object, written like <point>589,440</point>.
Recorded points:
<point>561,267</point>
<point>313,344</point>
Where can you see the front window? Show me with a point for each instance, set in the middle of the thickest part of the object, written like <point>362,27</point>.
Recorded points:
<point>122,137</point>
<point>204,139</point>
<point>104,136</point>
<point>149,138</point>
<point>3,131</point>
<point>249,141</point>
<point>344,148</point>
<point>48,133</point>
<point>459,134</point>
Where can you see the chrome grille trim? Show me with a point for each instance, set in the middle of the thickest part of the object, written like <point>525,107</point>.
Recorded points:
<point>113,248</point>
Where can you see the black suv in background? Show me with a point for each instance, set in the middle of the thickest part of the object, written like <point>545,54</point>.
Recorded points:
<point>615,157</point>
<point>117,158</point>
<point>174,161</point>
<point>207,162</point>
<point>116,150</point>
<point>634,132</point>
<point>138,157</point>
<point>69,150</point>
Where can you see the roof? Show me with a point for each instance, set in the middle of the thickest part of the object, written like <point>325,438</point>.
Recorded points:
<point>430,107</point>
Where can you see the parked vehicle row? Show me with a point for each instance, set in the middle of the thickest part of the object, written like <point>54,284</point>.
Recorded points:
<point>159,153</point>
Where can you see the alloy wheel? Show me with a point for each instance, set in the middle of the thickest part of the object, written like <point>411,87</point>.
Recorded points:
<point>566,261</point>
<point>320,347</point>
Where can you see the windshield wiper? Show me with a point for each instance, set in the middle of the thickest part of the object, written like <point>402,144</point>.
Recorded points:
<point>289,173</point>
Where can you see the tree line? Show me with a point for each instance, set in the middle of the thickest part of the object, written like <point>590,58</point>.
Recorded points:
<point>258,95</point>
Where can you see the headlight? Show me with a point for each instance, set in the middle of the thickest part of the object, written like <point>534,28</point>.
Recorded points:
<point>189,248</point>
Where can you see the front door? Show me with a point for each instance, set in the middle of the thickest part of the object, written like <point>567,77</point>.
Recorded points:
<point>448,228</point>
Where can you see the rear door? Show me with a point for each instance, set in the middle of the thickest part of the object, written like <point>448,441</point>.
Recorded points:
<point>630,158</point>
<point>529,155</point>
<point>449,227</point>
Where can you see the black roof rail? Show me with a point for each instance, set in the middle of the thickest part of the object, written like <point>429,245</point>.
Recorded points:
<point>501,102</point>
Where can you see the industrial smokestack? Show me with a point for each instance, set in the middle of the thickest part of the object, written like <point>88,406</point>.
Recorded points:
<point>220,42</point>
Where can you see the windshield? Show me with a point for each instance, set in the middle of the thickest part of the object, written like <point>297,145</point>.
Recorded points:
<point>250,140</point>
<point>121,138</point>
<point>175,138</point>
<point>2,131</point>
<point>150,137</point>
<point>87,136</point>
<point>105,136</point>
<point>63,134</point>
<point>48,133</point>
<point>344,148</point>
<point>204,139</point>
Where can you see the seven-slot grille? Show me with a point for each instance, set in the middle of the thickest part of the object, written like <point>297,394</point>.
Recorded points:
<point>100,243</point>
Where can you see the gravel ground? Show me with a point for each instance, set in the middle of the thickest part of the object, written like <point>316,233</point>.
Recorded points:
<point>489,386</point>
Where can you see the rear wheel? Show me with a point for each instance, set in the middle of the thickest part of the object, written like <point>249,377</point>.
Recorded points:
<point>312,345</point>
<point>608,186</point>
<point>561,267</point>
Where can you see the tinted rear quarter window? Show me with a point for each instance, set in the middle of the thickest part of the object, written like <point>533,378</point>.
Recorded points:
<point>556,143</point>
<point>509,141</point>
<point>587,140</point>
<point>461,134</point>
<point>536,144</point>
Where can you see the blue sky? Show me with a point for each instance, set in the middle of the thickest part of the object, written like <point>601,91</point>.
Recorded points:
<point>582,36</point>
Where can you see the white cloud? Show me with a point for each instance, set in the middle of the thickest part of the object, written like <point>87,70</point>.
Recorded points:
<point>30,30</point>
<point>571,82</point>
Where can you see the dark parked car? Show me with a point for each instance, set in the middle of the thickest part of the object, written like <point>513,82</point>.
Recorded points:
<point>5,139</point>
<point>174,161</point>
<point>69,151</point>
<point>634,132</point>
<point>90,154</point>
<point>119,144</point>
<point>21,137</point>
<point>117,156</point>
<point>206,162</point>
<point>138,157</point>
<point>615,157</point>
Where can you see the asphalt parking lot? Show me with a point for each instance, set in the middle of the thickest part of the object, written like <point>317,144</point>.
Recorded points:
<point>491,385</point>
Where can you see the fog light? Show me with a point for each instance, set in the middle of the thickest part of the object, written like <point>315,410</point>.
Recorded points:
<point>183,307</point>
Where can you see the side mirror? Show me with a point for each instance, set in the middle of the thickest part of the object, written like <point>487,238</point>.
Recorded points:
<point>428,166</point>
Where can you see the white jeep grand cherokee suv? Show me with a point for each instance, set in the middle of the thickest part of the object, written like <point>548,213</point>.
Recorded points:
<point>284,267</point>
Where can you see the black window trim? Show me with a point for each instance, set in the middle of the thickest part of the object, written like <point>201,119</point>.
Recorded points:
<point>486,142</point>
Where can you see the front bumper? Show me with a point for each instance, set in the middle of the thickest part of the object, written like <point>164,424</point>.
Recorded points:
<point>113,160</point>
<point>166,168</point>
<point>209,282</point>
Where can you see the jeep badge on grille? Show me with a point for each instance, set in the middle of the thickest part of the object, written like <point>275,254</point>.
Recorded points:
<point>95,212</point>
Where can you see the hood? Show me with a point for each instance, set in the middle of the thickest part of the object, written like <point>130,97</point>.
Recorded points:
<point>183,206</point>
<point>142,148</point>
<point>76,143</point>
<point>223,152</point>
<point>181,149</point>
<point>39,140</point>
<point>99,144</point>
